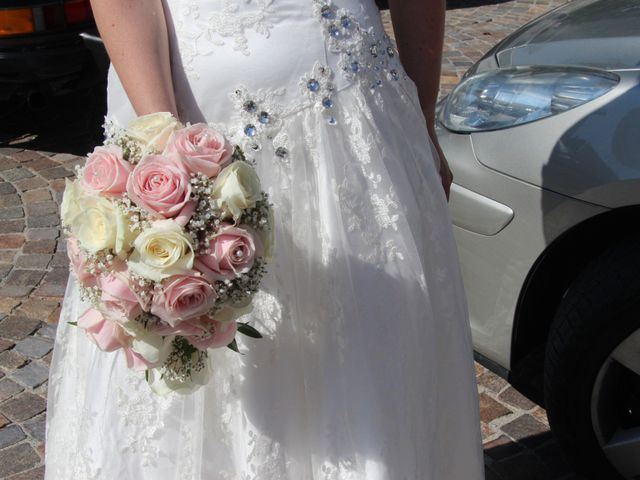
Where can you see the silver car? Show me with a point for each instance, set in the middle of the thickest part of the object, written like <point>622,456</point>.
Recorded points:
<point>543,138</point>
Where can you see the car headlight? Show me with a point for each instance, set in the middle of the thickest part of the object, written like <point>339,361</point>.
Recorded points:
<point>513,96</point>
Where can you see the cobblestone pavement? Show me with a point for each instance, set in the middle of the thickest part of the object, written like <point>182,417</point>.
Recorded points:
<point>33,273</point>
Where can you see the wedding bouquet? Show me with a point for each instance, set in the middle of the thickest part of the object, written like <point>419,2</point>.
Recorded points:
<point>168,232</point>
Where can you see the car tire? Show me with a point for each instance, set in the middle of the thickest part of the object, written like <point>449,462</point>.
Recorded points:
<point>600,309</point>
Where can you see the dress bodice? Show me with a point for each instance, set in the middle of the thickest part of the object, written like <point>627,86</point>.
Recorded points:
<point>250,63</point>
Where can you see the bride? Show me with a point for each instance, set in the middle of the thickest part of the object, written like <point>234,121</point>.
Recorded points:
<point>365,370</point>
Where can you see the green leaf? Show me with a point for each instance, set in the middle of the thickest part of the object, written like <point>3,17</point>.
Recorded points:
<point>248,330</point>
<point>234,346</point>
<point>75,324</point>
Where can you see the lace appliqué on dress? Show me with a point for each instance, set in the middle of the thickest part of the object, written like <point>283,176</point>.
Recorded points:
<point>199,35</point>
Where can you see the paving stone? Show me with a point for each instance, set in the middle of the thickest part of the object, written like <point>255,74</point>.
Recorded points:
<point>5,344</point>
<point>540,414</point>
<point>11,240</point>
<point>60,259</point>
<point>64,157</point>
<point>24,278</point>
<point>521,467</point>
<point>35,474</point>
<point>61,245</point>
<point>40,164</point>
<point>34,347</point>
<point>37,261</point>
<point>17,328</point>
<point>6,188</point>
<point>56,172</point>
<point>7,163</point>
<point>4,421</point>
<point>16,174</point>
<point>47,358</point>
<point>491,409</point>
<point>54,283</point>
<point>492,381</point>
<point>43,221</point>
<point>487,431</point>
<point>7,304</point>
<point>57,185</point>
<point>48,233</point>
<point>48,330</point>
<point>10,360</point>
<point>11,200</point>
<point>15,291</point>
<point>7,256</point>
<point>23,406</point>
<point>12,226</point>
<point>30,184</point>
<point>35,427</point>
<point>9,388</point>
<point>5,269</point>
<point>527,430</point>
<point>54,317</point>
<point>11,213</point>
<point>25,156</point>
<point>31,375</point>
<point>515,398</point>
<point>502,447</point>
<point>36,196</point>
<point>17,459</point>
<point>38,307</point>
<point>11,435</point>
<point>39,246</point>
<point>42,208</point>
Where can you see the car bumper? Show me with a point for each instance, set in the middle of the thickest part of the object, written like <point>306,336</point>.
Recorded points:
<point>501,226</point>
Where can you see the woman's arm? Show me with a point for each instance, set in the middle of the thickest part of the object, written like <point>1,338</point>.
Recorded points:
<point>419,31</point>
<point>135,36</point>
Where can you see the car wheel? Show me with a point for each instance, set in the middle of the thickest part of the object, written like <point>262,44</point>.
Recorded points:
<point>592,366</point>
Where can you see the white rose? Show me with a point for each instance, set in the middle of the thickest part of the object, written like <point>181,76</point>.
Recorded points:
<point>237,188</point>
<point>161,251</point>
<point>71,201</point>
<point>152,131</point>
<point>163,384</point>
<point>102,226</point>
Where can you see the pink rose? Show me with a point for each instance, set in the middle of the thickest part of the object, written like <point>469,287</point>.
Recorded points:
<point>79,263</point>
<point>203,149</point>
<point>106,172</point>
<point>118,298</point>
<point>183,297</point>
<point>232,252</point>
<point>107,335</point>
<point>161,185</point>
<point>214,334</point>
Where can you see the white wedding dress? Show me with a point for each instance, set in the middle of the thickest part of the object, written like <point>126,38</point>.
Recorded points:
<point>365,370</point>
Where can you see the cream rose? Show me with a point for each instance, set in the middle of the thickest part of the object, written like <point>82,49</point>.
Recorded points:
<point>237,188</point>
<point>102,226</point>
<point>161,251</point>
<point>71,201</point>
<point>152,131</point>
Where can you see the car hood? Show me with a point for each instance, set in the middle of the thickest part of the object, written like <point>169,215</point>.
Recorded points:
<point>597,33</point>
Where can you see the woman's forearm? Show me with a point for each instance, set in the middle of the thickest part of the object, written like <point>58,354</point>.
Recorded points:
<point>419,32</point>
<point>135,36</point>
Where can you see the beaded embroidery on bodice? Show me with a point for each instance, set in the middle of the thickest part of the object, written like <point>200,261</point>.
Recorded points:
<point>338,44</point>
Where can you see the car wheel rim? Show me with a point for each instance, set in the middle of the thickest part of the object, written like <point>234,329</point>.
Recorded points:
<point>615,407</point>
